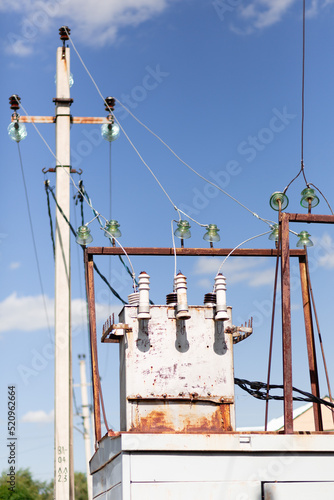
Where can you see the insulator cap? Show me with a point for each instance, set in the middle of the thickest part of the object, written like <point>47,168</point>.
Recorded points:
<point>110,103</point>
<point>171,299</point>
<point>64,33</point>
<point>14,102</point>
<point>210,298</point>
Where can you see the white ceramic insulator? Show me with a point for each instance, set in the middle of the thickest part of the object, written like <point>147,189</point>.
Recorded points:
<point>220,288</point>
<point>144,298</point>
<point>182,311</point>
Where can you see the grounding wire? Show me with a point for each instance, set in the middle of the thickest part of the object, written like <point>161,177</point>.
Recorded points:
<point>240,244</point>
<point>161,140</point>
<point>33,239</point>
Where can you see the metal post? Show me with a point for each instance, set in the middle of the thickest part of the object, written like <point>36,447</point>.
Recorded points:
<point>63,473</point>
<point>312,360</point>
<point>286,325</point>
<point>86,421</point>
<point>89,270</point>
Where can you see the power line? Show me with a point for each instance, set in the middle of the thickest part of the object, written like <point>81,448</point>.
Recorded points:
<point>164,143</point>
<point>33,240</point>
<point>74,233</point>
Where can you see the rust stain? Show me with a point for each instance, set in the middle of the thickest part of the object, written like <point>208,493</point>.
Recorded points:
<point>89,119</point>
<point>161,421</point>
<point>36,119</point>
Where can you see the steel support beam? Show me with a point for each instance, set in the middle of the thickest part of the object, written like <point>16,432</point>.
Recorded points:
<point>89,270</point>
<point>312,360</point>
<point>286,325</point>
<point>315,218</point>
<point>194,252</point>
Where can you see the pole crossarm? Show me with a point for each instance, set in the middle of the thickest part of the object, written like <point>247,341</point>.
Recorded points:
<point>165,251</point>
<point>90,120</point>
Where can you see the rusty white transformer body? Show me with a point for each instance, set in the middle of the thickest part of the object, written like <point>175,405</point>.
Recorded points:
<point>178,438</point>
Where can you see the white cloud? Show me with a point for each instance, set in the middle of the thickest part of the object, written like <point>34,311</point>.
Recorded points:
<point>249,270</point>
<point>27,313</point>
<point>14,265</point>
<point>205,283</point>
<point>39,416</point>
<point>18,47</point>
<point>92,25</point>
<point>260,14</point>
<point>324,252</point>
<point>265,277</point>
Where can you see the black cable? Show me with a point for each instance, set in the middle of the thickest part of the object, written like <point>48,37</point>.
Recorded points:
<point>46,183</point>
<point>95,266</point>
<point>33,240</point>
<point>258,390</point>
<point>120,256</point>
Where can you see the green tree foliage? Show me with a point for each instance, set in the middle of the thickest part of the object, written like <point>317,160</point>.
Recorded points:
<point>80,486</point>
<point>26,488</point>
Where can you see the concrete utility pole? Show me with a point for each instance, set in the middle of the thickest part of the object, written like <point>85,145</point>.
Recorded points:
<point>63,452</point>
<point>86,422</point>
<point>63,473</point>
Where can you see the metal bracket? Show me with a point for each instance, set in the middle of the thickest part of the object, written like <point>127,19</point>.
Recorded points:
<point>240,333</point>
<point>64,101</point>
<point>111,333</point>
<point>53,170</point>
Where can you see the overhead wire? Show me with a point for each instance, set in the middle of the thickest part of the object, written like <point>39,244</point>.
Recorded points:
<point>191,168</point>
<point>240,244</point>
<point>34,240</point>
<point>87,199</point>
<point>74,233</point>
<point>50,217</point>
<point>80,278</point>
<point>162,141</point>
<point>174,248</point>
<point>272,331</point>
<point>303,110</point>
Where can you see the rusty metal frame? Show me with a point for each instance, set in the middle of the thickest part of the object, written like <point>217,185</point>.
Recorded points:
<point>312,360</point>
<point>284,219</point>
<point>163,251</point>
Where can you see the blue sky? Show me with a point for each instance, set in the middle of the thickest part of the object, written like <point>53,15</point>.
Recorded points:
<point>220,83</point>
